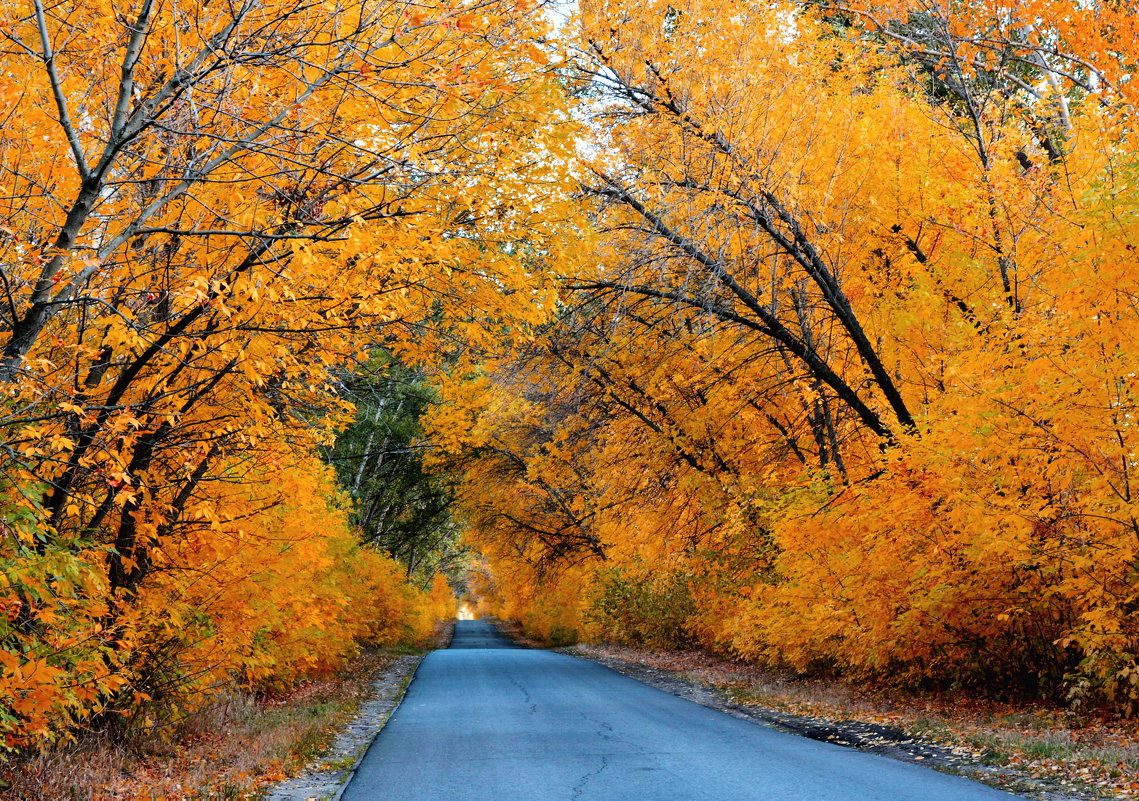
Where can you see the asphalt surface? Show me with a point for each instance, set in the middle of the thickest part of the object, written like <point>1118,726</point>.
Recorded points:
<point>485,721</point>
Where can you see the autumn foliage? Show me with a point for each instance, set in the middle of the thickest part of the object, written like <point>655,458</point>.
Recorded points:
<point>843,377</point>
<point>209,216</point>
<point>804,332</point>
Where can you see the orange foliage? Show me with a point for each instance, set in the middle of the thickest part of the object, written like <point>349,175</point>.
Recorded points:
<point>854,348</point>
<point>208,214</point>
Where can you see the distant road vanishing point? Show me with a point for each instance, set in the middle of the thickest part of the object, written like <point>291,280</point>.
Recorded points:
<point>485,721</point>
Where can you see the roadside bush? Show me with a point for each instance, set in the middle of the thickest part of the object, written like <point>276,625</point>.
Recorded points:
<point>634,606</point>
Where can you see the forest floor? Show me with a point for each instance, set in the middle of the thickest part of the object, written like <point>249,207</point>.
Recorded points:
<point>1036,751</point>
<point>238,748</point>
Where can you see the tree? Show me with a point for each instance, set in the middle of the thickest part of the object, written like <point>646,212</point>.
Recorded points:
<point>401,508</point>
<point>856,299</point>
<point>221,207</point>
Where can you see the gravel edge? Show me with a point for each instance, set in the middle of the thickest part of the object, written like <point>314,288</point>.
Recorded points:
<point>871,737</point>
<point>327,778</point>
<point>389,706</point>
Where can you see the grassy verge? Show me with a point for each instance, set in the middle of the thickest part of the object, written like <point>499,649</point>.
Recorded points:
<point>1042,751</point>
<point>231,750</point>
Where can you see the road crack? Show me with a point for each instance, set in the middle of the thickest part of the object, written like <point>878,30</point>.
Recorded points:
<point>580,786</point>
<point>525,693</point>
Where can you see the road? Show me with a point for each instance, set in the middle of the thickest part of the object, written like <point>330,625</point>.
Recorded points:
<point>484,721</point>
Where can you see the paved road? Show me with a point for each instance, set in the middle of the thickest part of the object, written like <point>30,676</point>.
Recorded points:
<point>484,721</point>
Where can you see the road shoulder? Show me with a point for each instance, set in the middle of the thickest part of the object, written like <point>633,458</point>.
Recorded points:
<point>886,740</point>
<point>325,778</point>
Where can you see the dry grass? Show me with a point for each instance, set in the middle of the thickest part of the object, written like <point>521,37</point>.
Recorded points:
<point>1099,752</point>
<point>229,751</point>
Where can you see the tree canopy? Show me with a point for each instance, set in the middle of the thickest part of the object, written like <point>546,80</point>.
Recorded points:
<point>800,331</point>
